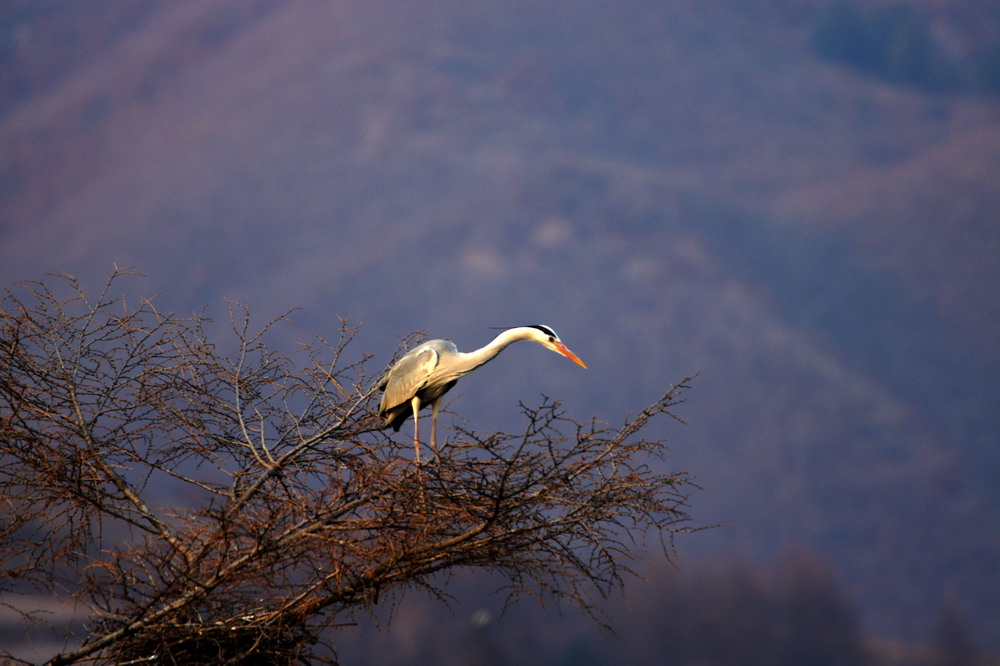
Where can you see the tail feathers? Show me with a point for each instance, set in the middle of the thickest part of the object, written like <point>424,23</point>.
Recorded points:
<point>395,417</point>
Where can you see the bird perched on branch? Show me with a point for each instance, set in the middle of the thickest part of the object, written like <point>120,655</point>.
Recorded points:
<point>425,373</point>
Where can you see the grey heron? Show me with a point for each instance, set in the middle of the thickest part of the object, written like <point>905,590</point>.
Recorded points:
<point>425,373</point>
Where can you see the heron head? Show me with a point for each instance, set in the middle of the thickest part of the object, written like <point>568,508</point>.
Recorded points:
<point>548,338</point>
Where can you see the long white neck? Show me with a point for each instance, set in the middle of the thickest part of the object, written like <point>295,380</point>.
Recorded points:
<point>472,360</point>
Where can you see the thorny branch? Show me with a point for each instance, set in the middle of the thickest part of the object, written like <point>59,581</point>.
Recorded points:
<point>205,507</point>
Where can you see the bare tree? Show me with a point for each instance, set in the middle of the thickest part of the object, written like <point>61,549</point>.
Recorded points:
<point>207,507</point>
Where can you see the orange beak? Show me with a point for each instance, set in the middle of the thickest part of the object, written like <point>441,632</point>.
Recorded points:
<point>564,350</point>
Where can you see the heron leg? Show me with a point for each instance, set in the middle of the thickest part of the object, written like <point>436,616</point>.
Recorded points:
<point>435,409</point>
<point>415,402</point>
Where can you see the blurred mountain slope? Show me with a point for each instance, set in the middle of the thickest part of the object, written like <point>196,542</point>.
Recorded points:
<point>676,187</point>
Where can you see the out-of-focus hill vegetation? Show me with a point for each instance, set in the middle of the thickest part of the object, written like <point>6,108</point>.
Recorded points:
<point>676,186</point>
<point>939,47</point>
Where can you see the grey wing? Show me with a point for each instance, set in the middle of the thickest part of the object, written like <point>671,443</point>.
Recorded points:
<point>407,377</point>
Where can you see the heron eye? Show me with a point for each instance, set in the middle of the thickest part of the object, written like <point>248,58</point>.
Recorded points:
<point>551,339</point>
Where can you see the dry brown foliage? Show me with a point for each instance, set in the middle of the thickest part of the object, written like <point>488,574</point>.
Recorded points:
<point>220,508</point>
